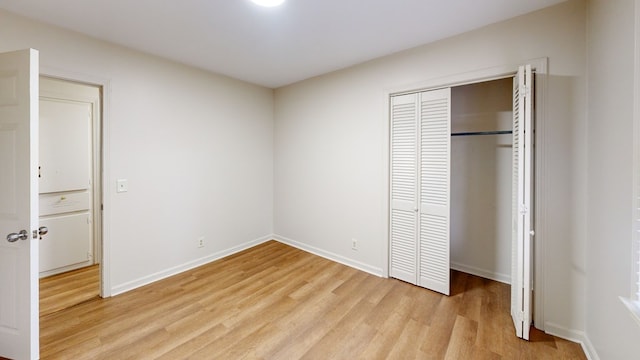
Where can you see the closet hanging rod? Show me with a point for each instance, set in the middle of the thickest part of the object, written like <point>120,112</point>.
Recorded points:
<point>498,132</point>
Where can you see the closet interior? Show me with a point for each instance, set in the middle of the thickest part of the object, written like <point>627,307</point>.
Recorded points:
<point>481,178</point>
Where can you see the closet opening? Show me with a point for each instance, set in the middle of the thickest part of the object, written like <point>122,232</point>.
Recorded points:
<point>70,173</point>
<point>481,179</point>
<point>461,186</point>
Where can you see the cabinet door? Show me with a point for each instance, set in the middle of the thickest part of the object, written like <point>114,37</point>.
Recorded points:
<point>435,170</point>
<point>68,242</point>
<point>404,191</point>
<point>65,145</point>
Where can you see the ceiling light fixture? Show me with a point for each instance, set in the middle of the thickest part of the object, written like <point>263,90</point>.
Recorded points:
<point>268,3</point>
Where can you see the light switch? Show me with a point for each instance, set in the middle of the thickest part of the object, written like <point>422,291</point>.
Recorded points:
<point>122,185</point>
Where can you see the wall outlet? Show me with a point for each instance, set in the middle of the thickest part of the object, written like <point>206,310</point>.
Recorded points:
<point>354,244</point>
<point>201,241</point>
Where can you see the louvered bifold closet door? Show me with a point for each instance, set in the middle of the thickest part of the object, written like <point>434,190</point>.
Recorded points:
<point>404,189</point>
<point>435,146</point>
<point>521,201</point>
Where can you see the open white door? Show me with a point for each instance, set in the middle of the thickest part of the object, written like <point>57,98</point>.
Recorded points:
<point>19,322</point>
<point>522,209</point>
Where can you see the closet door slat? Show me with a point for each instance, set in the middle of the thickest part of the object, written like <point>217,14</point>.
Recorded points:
<point>435,169</point>
<point>404,173</point>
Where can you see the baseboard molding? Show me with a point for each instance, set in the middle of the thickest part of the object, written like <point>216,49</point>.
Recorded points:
<point>329,255</point>
<point>65,269</point>
<point>573,335</point>
<point>128,286</point>
<point>503,278</point>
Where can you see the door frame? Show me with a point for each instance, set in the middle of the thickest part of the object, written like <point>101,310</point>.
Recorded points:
<point>102,219</point>
<point>540,66</point>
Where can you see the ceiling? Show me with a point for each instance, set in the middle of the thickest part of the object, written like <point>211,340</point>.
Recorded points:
<point>272,47</point>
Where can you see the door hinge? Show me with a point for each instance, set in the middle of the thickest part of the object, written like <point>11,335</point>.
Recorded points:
<point>523,209</point>
<point>525,90</point>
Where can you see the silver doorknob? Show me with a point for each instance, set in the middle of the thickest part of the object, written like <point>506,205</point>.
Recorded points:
<point>22,235</point>
<point>43,230</point>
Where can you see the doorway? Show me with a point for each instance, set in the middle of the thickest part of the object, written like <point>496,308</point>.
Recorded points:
<point>70,193</point>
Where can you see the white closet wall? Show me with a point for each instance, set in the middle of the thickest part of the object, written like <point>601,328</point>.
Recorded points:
<point>481,176</point>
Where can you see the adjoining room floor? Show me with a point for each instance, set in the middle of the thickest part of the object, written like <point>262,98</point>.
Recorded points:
<point>61,291</point>
<point>277,302</point>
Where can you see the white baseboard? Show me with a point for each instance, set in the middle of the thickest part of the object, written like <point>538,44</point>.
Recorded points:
<point>573,335</point>
<point>503,278</point>
<point>128,286</point>
<point>64,269</point>
<point>329,255</point>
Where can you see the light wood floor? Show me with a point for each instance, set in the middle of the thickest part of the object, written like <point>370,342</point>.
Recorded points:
<point>277,302</point>
<point>65,290</point>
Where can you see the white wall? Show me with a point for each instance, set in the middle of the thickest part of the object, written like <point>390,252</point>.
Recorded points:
<point>330,148</point>
<point>609,325</point>
<point>196,148</point>
<point>481,171</point>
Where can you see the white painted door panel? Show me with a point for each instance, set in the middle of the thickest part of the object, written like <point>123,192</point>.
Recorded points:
<point>404,190</point>
<point>19,326</point>
<point>66,244</point>
<point>420,168</point>
<point>52,204</point>
<point>435,169</point>
<point>521,247</point>
<point>65,145</point>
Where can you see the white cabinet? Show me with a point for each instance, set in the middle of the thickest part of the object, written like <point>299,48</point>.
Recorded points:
<point>67,242</point>
<point>65,180</point>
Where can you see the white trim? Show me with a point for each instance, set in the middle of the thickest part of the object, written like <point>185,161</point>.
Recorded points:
<point>386,182</point>
<point>632,302</point>
<point>491,275</point>
<point>105,84</point>
<point>635,191</point>
<point>633,306</point>
<point>573,335</point>
<point>465,78</point>
<point>538,284</point>
<point>60,270</point>
<point>540,66</point>
<point>145,280</point>
<point>329,255</point>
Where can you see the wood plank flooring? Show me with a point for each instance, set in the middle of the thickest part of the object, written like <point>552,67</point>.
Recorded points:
<point>277,302</point>
<point>65,290</point>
